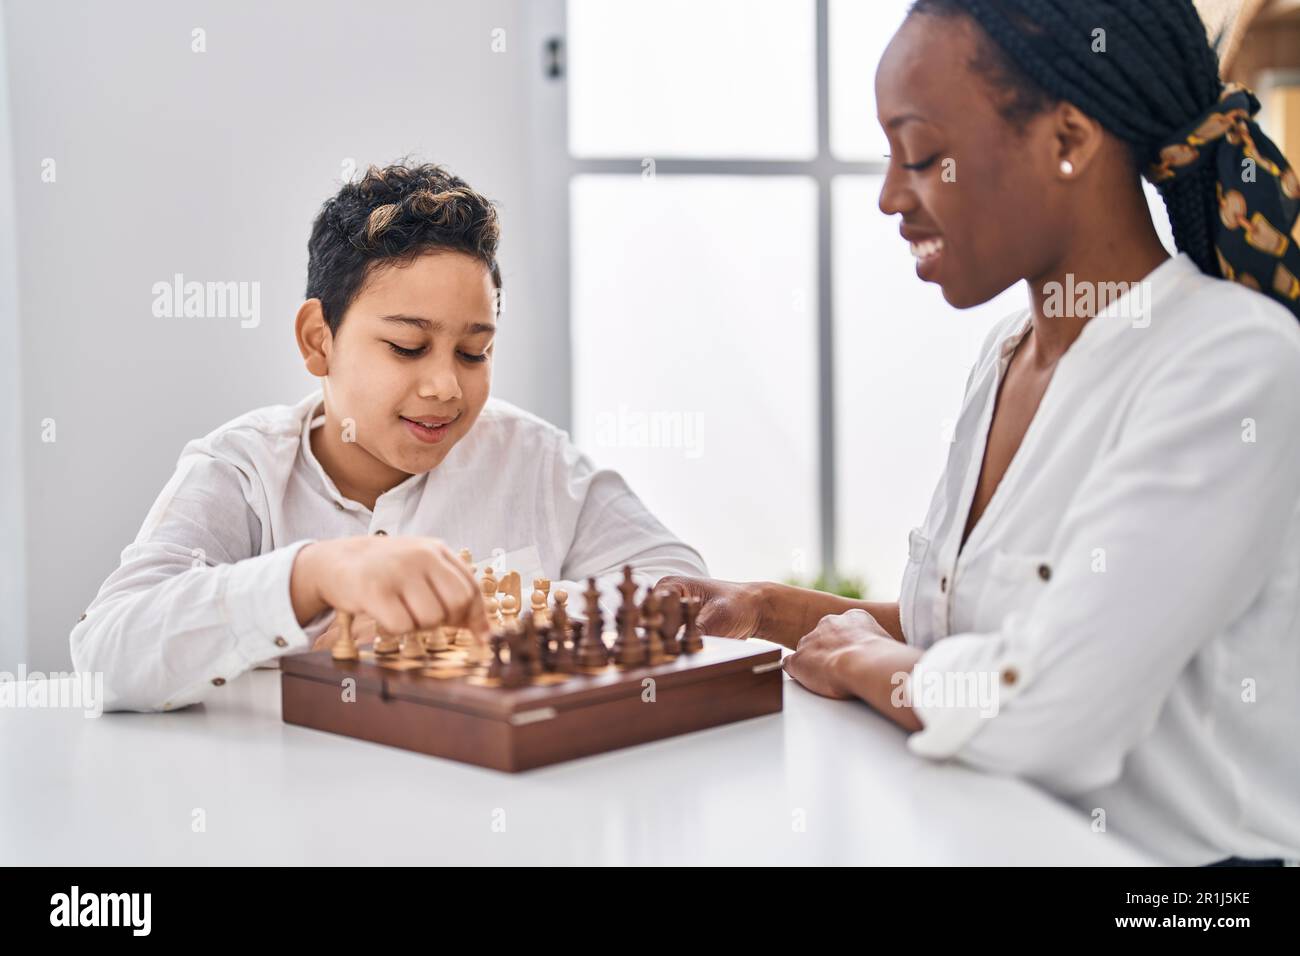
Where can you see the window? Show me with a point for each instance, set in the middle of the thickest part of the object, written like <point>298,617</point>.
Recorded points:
<point>750,345</point>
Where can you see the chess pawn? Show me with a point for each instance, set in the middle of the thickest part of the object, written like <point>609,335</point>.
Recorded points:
<point>539,603</point>
<point>653,620</point>
<point>560,617</point>
<point>692,642</point>
<point>494,648</point>
<point>345,648</point>
<point>672,646</point>
<point>435,639</point>
<point>671,609</point>
<point>386,643</point>
<point>509,610</point>
<point>545,654</point>
<point>591,650</point>
<point>412,645</point>
<point>468,559</point>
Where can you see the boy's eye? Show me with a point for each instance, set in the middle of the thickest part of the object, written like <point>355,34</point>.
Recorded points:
<point>473,357</point>
<point>405,352</point>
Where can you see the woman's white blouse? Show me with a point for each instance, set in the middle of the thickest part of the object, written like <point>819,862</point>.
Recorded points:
<point>1123,624</point>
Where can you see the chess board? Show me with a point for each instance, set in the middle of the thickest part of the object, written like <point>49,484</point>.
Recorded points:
<point>538,697</point>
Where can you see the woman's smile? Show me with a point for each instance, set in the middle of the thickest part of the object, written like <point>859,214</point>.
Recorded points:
<point>928,251</point>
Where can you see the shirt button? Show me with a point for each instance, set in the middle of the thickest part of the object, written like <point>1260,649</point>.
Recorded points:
<point>1010,675</point>
<point>1045,572</point>
<point>218,681</point>
<point>338,505</point>
<point>943,584</point>
<point>281,642</point>
<point>382,531</point>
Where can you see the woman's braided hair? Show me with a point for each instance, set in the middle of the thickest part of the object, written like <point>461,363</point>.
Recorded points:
<point>392,215</point>
<point>1157,73</point>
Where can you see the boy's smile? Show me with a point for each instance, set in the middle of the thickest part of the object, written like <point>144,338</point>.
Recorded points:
<point>407,373</point>
<point>430,428</point>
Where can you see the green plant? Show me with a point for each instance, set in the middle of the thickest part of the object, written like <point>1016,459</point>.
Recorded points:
<point>847,587</point>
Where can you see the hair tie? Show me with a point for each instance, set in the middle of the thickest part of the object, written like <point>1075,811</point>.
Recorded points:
<point>1256,237</point>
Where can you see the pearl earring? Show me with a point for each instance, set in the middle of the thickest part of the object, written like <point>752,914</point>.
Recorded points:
<point>1067,167</point>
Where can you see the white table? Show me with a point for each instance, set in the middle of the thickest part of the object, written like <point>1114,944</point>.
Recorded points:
<point>122,790</point>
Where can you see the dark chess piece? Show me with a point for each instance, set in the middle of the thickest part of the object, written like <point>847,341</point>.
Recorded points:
<point>629,650</point>
<point>515,672</point>
<point>671,609</point>
<point>494,666</point>
<point>668,629</point>
<point>627,612</point>
<point>545,656</point>
<point>529,647</point>
<point>692,640</point>
<point>653,621</point>
<point>563,658</point>
<point>591,647</point>
<point>560,619</point>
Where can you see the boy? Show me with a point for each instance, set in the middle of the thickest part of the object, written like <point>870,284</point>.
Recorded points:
<point>355,497</point>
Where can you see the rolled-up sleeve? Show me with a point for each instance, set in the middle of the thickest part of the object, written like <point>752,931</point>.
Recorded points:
<point>1189,503</point>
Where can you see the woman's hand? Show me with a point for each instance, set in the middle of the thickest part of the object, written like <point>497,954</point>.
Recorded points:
<point>726,609</point>
<point>823,662</point>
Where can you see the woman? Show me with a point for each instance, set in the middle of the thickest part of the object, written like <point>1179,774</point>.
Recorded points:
<point>1104,596</point>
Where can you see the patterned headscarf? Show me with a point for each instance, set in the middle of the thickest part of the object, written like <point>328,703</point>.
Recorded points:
<point>1257,237</point>
<point>1154,82</point>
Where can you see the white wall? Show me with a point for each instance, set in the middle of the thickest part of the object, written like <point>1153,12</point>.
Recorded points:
<point>13,570</point>
<point>213,165</point>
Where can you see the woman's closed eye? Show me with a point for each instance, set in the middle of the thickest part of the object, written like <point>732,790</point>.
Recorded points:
<point>923,165</point>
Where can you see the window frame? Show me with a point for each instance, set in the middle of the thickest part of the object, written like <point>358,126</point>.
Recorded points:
<point>822,169</point>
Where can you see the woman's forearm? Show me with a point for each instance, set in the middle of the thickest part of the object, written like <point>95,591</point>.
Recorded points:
<point>790,612</point>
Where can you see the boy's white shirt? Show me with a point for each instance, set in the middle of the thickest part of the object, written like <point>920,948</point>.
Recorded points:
<point>1131,595</point>
<point>202,594</point>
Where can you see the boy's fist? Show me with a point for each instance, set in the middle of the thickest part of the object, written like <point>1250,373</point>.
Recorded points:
<point>404,583</point>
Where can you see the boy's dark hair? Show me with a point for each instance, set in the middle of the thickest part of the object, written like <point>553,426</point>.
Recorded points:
<point>391,216</point>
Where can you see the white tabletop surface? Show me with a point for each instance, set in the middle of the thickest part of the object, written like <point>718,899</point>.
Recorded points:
<point>824,782</point>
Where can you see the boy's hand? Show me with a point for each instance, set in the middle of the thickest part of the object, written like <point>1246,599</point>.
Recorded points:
<point>403,583</point>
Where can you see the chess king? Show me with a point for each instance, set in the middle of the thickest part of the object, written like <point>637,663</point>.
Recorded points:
<point>358,497</point>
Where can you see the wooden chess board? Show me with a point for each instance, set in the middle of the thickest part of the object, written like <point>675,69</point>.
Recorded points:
<point>446,705</point>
